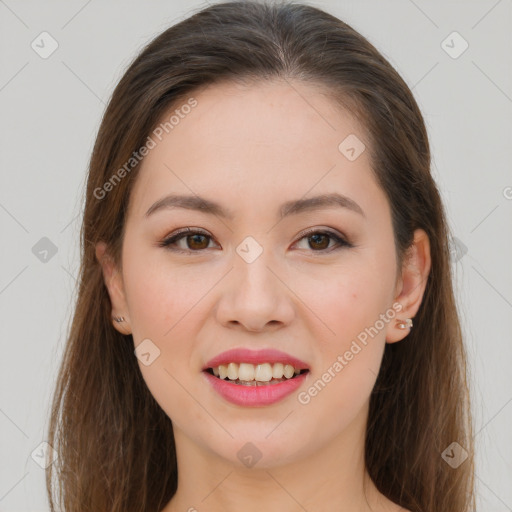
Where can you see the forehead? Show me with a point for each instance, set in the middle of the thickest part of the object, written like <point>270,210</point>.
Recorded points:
<point>266,140</point>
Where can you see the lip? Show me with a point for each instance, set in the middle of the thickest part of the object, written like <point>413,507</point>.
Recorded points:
<point>254,396</point>
<point>243,355</point>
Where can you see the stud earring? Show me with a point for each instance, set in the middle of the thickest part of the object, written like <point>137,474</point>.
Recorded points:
<point>404,324</point>
<point>118,318</point>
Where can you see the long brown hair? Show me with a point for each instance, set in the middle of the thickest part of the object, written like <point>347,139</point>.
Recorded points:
<point>115,444</point>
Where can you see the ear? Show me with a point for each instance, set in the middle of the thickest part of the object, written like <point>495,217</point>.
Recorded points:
<point>411,284</point>
<point>114,282</point>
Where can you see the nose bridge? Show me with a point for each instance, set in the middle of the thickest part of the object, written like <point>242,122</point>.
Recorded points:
<point>254,295</point>
<point>252,269</point>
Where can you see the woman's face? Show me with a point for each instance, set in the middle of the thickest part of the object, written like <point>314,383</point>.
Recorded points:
<point>256,280</point>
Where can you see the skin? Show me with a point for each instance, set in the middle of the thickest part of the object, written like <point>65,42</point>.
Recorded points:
<point>251,148</point>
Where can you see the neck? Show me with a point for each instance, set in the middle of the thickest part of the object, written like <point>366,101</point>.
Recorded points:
<point>332,478</point>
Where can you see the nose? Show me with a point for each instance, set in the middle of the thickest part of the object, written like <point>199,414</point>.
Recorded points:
<point>255,296</point>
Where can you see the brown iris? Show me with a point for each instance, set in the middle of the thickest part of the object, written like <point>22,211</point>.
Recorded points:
<point>195,237</point>
<point>320,235</point>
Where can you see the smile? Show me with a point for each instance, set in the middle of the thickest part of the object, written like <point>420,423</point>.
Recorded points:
<point>255,378</point>
<point>248,374</point>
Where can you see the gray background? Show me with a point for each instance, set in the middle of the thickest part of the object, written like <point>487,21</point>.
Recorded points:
<point>50,112</point>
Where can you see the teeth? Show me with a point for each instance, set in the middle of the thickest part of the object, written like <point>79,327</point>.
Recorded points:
<point>263,372</point>
<point>288,371</point>
<point>223,371</point>
<point>232,371</point>
<point>247,372</point>
<point>278,371</point>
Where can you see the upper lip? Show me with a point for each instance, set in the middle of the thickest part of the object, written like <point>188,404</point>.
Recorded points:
<point>243,355</point>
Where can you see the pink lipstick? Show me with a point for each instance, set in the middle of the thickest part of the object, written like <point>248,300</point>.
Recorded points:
<point>255,392</point>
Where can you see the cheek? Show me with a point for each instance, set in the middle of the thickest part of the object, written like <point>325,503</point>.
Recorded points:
<point>161,298</point>
<point>350,353</point>
<point>163,305</point>
<point>350,306</point>
<point>346,303</point>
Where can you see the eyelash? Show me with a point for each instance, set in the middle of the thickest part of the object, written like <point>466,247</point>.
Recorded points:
<point>167,243</point>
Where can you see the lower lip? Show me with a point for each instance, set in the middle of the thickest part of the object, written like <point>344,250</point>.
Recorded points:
<point>254,396</point>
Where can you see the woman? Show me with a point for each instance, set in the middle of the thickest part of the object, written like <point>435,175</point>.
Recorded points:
<point>265,318</point>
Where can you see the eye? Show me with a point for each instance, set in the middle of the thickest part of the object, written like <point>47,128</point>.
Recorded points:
<point>319,240</point>
<point>196,241</point>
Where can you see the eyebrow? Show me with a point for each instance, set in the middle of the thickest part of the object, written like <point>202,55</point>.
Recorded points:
<point>293,207</point>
